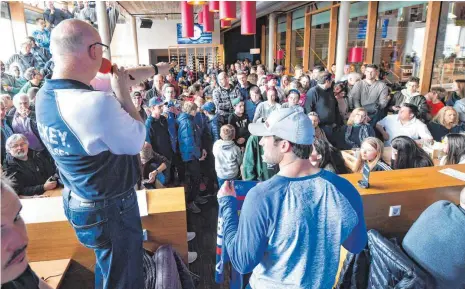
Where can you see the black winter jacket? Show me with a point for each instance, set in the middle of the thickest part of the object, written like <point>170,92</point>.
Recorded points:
<point>382,265</point>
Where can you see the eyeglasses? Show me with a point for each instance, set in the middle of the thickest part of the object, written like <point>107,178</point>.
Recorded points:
<point>104,46</point>
<point>18,145</point>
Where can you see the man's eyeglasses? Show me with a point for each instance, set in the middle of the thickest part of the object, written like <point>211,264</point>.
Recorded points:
<point>104,46</point>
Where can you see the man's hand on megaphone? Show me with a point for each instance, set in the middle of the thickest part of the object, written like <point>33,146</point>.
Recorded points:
<point>119,80</point>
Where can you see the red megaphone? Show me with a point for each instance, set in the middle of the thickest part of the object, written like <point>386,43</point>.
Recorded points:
<point>105,67</point>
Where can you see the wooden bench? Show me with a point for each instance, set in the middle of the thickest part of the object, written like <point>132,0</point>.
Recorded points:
<point>165,224</point>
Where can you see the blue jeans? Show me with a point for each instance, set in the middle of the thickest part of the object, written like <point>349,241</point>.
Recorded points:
<point>113,229</point>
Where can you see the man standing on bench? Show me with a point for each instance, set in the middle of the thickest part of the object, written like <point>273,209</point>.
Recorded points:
<point>94,138</point>
<point>292,226</point>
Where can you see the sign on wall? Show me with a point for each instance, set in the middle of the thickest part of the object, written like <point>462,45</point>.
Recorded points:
<point>200,37</point>
<point>362,29</point>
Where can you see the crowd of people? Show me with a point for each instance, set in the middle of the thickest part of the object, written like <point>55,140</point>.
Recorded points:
<point>177,127</point>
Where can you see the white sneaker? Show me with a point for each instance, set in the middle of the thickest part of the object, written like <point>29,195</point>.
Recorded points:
<point>191,257</point>
<point>190,236</point>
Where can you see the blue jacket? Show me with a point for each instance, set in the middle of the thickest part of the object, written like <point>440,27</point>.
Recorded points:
<point>214,127</point>
<point>250,108</point>
<point>188,137</point>
<point>172,130</point>
<point>42,38</point>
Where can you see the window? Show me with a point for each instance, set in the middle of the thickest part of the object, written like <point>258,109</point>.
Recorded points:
<point>357,30</point>
<point>319,39</point>
<point>449,58</point>
<point>281,37</point>
<point>297,39</point>
<point>399,38</point>
<point>31,17</point>
<point>8,45</point>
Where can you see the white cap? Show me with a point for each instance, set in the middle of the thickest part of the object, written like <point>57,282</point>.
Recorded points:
<point>291,124</point>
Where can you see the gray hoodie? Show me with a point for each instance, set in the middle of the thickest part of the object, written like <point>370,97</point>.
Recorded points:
<point>228,159</point>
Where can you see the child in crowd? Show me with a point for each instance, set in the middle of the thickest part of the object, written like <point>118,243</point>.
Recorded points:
<point>371,152</point>
<point>228,156</point>
<point>319,133</point>
<point>189,138</point>
<point>240,122</point>
<point>434,100</point>
<point>213,124</point>
<point>252,103</point>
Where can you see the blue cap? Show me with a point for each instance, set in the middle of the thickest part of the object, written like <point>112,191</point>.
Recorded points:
<point>294,91</point>
<point>209,107</point>
<point>155,101</point>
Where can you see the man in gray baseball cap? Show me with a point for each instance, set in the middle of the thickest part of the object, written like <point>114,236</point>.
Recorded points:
<point>291,226</point>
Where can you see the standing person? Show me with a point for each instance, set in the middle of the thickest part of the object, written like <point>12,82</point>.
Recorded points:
<point>136,97</point>
<point>34,79</point>
<point>223,95</point>
<point>97,155</point>
<point>42,34</point>
<point>157,88</point>
<point>292,205</point>
<point>321,100</point>
<point>240,122</point>
<point>88,13</point>
<point>252,103</point>
<point>243,86</point>
<point>264,109</point>
<point>25,58</point>
<point>209,110</point>
<point>16,72</point>
<point>228,156</point>
<point>271,82</point>
<point>190,146</point>
<point>371,94</point>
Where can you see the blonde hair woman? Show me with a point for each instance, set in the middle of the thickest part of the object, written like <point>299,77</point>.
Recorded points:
<point>357,129</point>
<point>371,153</point>
<point>445,122</point>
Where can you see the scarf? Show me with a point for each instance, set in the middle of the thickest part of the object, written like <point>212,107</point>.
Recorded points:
<point>363,134</point>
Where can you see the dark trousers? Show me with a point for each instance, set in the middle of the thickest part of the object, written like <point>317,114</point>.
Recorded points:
<point>177,165</point>
<point>208,172</point>
<point>192,180</point>
<point>112,228</point>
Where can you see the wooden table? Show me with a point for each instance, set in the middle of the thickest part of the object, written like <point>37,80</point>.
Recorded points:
<point>165,224</point>
<point>52,271</point>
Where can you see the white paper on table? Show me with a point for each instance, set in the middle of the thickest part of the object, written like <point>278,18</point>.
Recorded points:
<point>142,202</point>
<point>453,173</point>
<point>43,210</point>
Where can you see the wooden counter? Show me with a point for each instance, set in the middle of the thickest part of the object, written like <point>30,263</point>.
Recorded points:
<point>413,189</point>
<point>166,224</point>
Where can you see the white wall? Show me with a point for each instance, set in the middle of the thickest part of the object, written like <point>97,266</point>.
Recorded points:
<point>161,35</point>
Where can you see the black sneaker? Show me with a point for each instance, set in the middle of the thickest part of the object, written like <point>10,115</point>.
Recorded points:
<point>200,200</point>
<point>192,207</point>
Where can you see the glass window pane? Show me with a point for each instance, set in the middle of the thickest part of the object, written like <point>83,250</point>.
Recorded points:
<point>357,30</point>
<point>281,37</point>
<point>449,60</point>
<point>297,39</point>
<point>6,30</point>
<point>31,17</point>
<point>399,38</point>
<point>319,38</point>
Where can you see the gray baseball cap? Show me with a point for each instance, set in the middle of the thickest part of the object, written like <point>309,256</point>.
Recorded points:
<point>291,124</point>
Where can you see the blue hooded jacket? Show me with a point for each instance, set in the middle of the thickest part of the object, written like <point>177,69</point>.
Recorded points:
<point>188,137</point>
<point>214,126</point>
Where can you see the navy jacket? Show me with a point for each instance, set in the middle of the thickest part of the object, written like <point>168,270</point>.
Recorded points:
<point>214,126</point>
<point>189,137</point>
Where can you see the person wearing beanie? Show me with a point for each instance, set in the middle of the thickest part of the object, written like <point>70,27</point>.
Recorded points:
<point>239,120</point>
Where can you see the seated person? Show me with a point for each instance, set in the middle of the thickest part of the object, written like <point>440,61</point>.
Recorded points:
<point>16,272</point>
<point>319,133</point>
<point>153,165</point>
<point>454,148</point>
<point>406,154</point>
<point>410,95</point>
<point>228,156</point>
<point>445,122</point>
<point>405,123</point>
<point>24,122</point>
<point>34,78</point>
<point>31,171</point>
<point>6,129</point>
<point>436,241</point>
<point>371,152</point>
<point>31,93</point>
<point>434,100</point>
<point>327,157</point>
<point>356,130</point>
